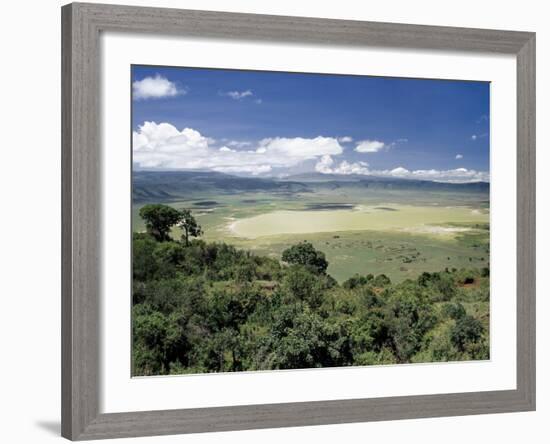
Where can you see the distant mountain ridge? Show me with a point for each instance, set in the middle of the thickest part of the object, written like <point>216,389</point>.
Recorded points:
<point>388,182</point>
<point>149,186</point>
<point>166,185</point>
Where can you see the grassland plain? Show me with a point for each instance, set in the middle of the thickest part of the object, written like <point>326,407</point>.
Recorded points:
<point>397,232</point>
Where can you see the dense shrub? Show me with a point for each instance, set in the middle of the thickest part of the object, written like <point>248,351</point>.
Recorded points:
<point>209,307</point>
<point>305,254</point>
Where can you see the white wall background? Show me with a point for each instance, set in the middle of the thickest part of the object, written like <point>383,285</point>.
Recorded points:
<point>30,221</point>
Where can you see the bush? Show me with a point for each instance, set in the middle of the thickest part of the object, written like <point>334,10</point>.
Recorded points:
<point>454,310</point>
<point>467,330</point>
<point>209,307</point>
<point>304,254</point>
<point>381,281</point>
<point>302,285</point>
<point>357,281</point>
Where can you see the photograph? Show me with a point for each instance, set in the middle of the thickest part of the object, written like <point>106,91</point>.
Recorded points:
<point>285,221</point>
<point>275,222</point>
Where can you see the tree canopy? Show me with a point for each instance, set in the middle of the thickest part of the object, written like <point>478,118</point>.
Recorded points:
<point>210,307</point>
<point>189,225</point>
<point>305,254</point>
<point>159,219</point>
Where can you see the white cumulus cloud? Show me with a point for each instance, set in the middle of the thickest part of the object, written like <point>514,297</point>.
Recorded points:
<point>345,139</point>
<point>163,146</point>
<point>459,156</point>
<point>346,167</point>
<point>457,175</point>
<point>299,148</point>
<point>237,95</point>
<point>326,165</point>
<point>369,146</point>
<point>399,172</point>
<point>155,88</point>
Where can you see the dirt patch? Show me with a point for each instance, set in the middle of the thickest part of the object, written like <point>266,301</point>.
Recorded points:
<point>474,284</point>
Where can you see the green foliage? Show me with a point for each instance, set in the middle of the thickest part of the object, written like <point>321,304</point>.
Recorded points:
<point>189,225</point>
<point>409,316</point>
<point>300,338</point>
<point>466,331</point>
<point>304,286</point>
<point>305,254</point>
<point>440,347</point>
<point>454,310</point>
<point>144,265</point>
<point>169,257</point>
<point>440,285</point>
<point>159,219</point>
<point>158,340</point>
<point>357,281</point>
<point>209,307</point>
<point>381,281</point>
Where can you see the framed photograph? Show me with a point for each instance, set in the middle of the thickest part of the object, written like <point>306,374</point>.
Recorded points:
<point>278,221</point>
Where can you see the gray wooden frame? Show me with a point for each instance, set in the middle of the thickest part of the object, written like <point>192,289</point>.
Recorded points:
<point>81,26</point>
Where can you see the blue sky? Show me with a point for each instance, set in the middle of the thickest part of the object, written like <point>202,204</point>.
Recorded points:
<point>268,123</point>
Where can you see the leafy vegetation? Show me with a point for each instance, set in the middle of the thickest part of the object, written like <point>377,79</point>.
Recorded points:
<point>210,307</point>
<point>159,220</point>
<point>304,254</point>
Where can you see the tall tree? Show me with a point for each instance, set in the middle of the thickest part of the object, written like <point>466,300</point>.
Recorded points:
<point>189,225</point>
<point>305,254</point>
<point>159,219</point>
